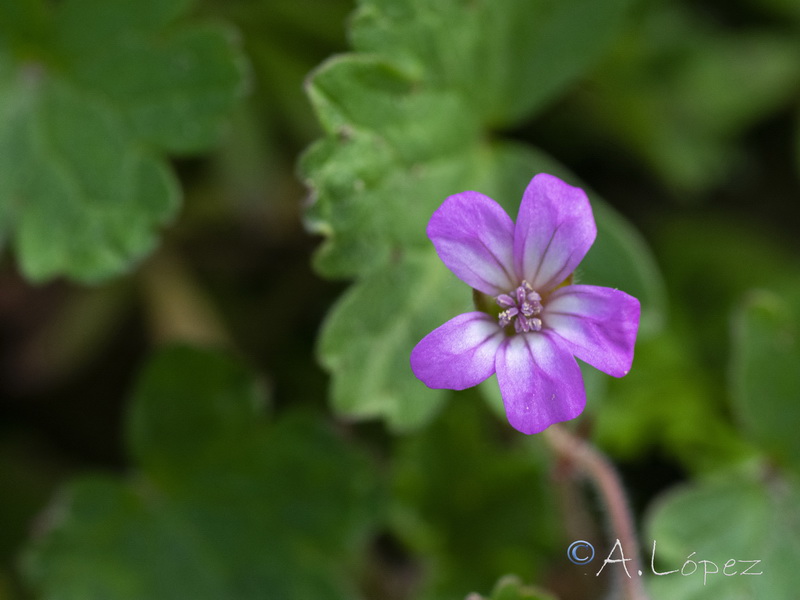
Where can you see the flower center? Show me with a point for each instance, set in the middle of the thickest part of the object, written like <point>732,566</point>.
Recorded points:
<point>522,307</point>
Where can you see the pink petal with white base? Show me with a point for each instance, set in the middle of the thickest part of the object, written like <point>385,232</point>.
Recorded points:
<point>554,231</point>
<point>540,382</point>
<point>459,354</point>
<point>474,237</point>
<point>596,324</point>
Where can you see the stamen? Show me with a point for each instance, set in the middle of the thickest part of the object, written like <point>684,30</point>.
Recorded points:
<point>520,325</point>
<point>523,306</point>
<point>506,316</point>
<point>505,301</point>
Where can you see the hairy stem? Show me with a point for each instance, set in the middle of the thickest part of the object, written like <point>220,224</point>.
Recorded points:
<point>601,472</point>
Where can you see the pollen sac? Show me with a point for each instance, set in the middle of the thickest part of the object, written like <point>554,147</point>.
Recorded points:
<point>505,317</point>
<point>522,307</point>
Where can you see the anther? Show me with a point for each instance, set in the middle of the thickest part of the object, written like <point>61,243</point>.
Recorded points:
<point>523,306</point>
<point>505,301</point>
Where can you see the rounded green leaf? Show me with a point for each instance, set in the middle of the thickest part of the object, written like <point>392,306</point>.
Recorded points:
<point>511,588</point>
<point>748,522</point>
<point>90,211</point>
<point>471,504</point>
<point>368,336</point>
<point>88,106</point>
<point>222,504</point>
<point>508,59</point>
<point>764,374</point>
<point>211,399</point>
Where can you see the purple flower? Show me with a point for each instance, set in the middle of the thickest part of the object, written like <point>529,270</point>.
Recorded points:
<point>531,319</point>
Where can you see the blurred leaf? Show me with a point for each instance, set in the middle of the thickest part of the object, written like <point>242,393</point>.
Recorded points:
<point>29,477</point>
<point>23,23</point>
<point>505,59</point>
<point>735,518</point>
<point>392,145</point>
<point>692,424</point>
<point>511,588</point>
<point>621,259</point>
<point>86,113</point>
<point>224,506</point>
<point>284,39</point>
<point>675,397</point>
<point>678,91</point>
<point>797,139</point>
<point>472,505</point>
<point>765,378</point>
<point>402,136</point>
<point>370,330</point>
<point>668,402</point>
<point>710,261</point>
<point>780,8</point>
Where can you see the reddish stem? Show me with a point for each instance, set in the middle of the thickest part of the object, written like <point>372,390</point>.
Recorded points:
<point>602,473</point>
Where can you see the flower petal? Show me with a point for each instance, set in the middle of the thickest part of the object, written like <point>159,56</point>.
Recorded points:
<point>474,237</point>
<point>540,382</point>
<point>459,354</point>
<point>555,229</point>
<point>597,324</point>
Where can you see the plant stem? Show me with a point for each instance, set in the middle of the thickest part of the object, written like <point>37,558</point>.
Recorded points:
<point>178,308</point>
<point>602,473</point>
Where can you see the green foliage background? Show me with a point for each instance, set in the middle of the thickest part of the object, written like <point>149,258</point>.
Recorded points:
<point>214,268</point>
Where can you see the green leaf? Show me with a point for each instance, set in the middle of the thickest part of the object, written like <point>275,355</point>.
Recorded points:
<point>408,120</point>
<point>170,436</point>
<point>171,89</point>
<point>693,426</point>
<point>393,141</point>
<point>402,138</point>
<point>417,122</point>
<point>23,24</point>
<point>783,9</point>
<point>507,59</point>
<point>735,518</point>
<point>471,505</point>
<point>621,259</point>
<point>764,374</point>
<point>673,91</point>
<point>87,111</point>
<point>84,213</point>
<point>111,19</point>
<point>710,263</point>
<point>511,588</point>
<point>223,505</point>
<point>369,334</point>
